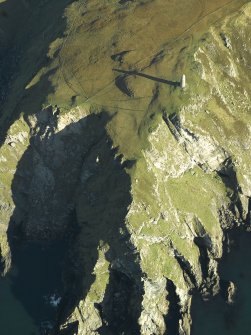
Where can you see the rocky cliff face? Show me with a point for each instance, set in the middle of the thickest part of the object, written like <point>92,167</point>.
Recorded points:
<point>142,179</point>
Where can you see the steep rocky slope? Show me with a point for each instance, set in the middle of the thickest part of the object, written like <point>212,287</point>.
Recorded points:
<point>101,148</point>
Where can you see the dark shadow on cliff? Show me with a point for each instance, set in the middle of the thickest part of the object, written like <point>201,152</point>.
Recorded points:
<point>27,29</point>
<point>174,315</point>
<point>72,194</point>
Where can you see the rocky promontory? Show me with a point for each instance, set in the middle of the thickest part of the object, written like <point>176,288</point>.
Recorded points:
<point>143,182</point>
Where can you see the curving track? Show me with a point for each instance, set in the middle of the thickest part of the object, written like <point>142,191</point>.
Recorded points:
<point>71,79</point>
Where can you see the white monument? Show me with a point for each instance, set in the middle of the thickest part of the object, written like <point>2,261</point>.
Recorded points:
<point>183,81</point>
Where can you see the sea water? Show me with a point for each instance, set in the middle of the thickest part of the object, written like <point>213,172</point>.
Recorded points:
<point>218,317</point>
<point>31,291</point>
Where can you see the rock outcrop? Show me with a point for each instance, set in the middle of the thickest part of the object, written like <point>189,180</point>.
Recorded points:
<point>145,186</point>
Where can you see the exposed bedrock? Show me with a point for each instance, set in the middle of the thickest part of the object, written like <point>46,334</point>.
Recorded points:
<point>144,184</point>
